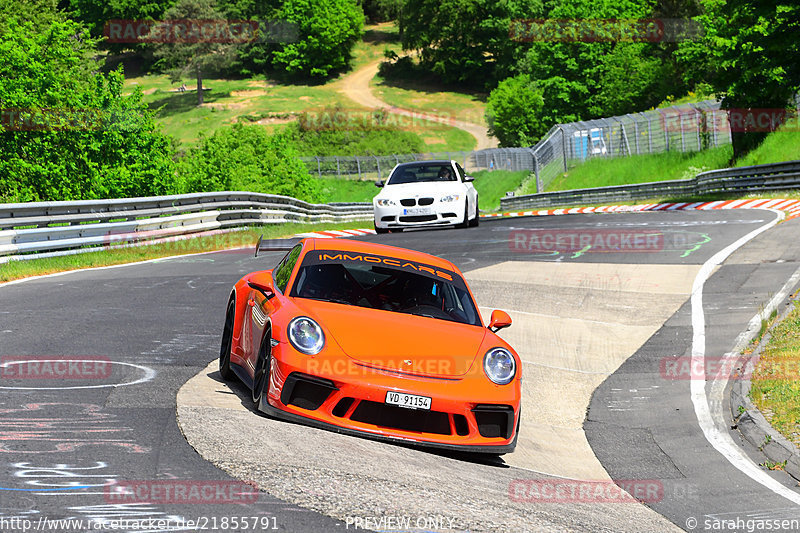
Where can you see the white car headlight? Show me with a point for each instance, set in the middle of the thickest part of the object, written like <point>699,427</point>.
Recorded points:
<point>383,202</point>
<point>306,335</point>
<point>499,365</point>
<point>450,198</point>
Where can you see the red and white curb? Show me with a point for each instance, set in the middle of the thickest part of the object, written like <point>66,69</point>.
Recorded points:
<point>792,208</point>
<point>335,234</point>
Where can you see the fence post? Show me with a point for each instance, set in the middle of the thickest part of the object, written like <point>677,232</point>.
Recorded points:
<point>563,146</point>
<point>319,169</point>
<point>358,166</point>
<point>338,171</point>
<point>666,130</point>
<point>714,126</point>
<point>378,164</point>
<point>536,172</point>
<point>698,121</point>
<point>649,135</point>
<point>636,133</point>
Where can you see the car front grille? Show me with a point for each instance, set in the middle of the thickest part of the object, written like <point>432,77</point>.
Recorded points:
<point>418,218</point>
<point>408,202</point>
<point>391,416</point>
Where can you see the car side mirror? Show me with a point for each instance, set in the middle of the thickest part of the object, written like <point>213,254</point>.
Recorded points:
<point>379,184</point>
<point>263,283</point>
<point>469,178</point>
<point>500,320</point>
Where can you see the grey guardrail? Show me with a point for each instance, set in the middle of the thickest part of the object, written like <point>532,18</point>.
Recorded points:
<point>771,177</point>
<point>37,227</point>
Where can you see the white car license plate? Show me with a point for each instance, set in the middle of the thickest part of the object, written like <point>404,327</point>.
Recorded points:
<point>410,401</point>
<point>417,211</point>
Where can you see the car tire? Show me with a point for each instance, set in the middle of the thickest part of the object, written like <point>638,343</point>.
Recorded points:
<point>262,370</point>
<point>475,221</point>
<point>227,342</point>
<point>380,231</point>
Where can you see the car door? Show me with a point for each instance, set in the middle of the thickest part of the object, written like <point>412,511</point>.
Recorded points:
<point>261,306</point>
<point>472,194</point>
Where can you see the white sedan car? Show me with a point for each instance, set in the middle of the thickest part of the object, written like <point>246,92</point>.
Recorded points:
<point>426,193</point>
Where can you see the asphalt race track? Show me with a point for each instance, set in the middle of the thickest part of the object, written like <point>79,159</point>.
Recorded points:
<point>593,323</point>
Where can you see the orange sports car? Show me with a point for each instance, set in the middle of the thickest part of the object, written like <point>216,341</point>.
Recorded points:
<point>377,341</point>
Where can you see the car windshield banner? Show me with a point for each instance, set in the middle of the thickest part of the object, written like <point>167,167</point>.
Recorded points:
<point>321,257</point>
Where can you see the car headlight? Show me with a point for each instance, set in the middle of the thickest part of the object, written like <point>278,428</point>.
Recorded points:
<point>500,366</point>
<point>383,202</point>
<point>306,335</point>
<point>450,198</point>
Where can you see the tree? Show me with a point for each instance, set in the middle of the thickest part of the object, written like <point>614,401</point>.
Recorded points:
<point>466,41</point>
<point>751,56</point>
<point>247,158</point>
<point>183,51</point>
<point>327,32</point>
<point>68,132</point>
<point>513,112</point>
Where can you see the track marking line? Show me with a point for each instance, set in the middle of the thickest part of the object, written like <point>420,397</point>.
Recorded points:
<point>715,435</point>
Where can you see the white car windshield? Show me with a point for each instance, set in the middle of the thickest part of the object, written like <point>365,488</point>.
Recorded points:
<point>422,173</point>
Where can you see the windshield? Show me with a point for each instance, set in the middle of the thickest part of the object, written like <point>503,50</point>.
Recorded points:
<point>385,283</point>
<point>422,173</point>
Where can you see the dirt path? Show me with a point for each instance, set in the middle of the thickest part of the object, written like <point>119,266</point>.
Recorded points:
<point>356,87</point>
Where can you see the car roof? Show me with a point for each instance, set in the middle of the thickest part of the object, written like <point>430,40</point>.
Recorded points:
<point>350,245</point>
<point>426,162</point>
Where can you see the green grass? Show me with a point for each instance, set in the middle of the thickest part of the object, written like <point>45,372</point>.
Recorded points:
<point>601,172</point>
<point>493,185</point>
<point>34,267</point>
<point>348,190</point>
<point>775,385</point>
<point>272,104</point>
<point>376,39</point>
<point>783,145</point>
<point>430,97</point>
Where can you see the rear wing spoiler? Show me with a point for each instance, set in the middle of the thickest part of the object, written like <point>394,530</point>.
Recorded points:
<point>275,245</point>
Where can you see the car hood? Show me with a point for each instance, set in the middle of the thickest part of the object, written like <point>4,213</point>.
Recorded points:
<point>399,341</point>
<point>433,188</point>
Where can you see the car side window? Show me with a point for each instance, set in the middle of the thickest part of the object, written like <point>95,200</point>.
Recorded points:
<point>284,269</point>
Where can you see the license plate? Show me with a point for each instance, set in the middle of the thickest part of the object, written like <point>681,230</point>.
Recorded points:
<point>417,211</point>
<point>409,401</point>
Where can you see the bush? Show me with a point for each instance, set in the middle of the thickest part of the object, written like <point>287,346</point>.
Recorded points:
<point>327,32</point>
<point>513,112</point>
<point>247,158</point>
<point>69,134</point>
